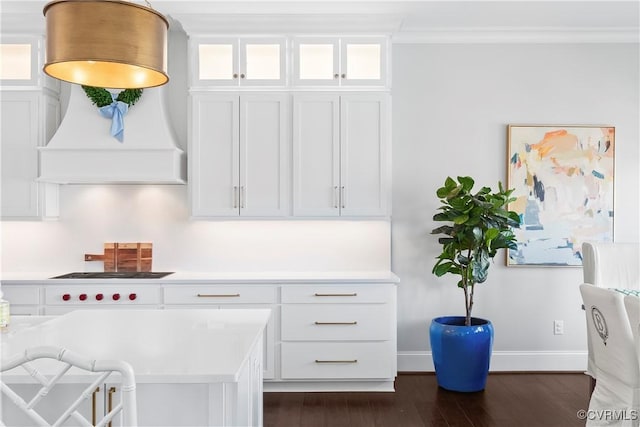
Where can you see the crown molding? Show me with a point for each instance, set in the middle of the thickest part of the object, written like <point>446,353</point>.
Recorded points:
<point>519,35</point>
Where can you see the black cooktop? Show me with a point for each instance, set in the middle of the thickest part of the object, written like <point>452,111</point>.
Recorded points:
<point>114,275</point>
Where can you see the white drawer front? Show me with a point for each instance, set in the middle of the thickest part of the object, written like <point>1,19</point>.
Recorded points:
<point>332,294</point>
<point>224,294</point>
<point>98,295</point>
<point>339,322</point>
<point>24,310</point>
<point>338,360</point>
<point>21,294</point>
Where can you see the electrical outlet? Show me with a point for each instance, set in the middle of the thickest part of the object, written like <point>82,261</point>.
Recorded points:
<point>558,327</point>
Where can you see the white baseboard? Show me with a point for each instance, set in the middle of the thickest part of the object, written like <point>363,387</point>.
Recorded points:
<point>421,361</point>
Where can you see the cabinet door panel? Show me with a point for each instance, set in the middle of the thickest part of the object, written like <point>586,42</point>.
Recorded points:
<point>19,136</point>
<point>215,62</point>
<point>214,157</point>
<point>262,61</point>
<point>263,155</point>
<point>316,61</point>
<point>364,157</point>
<point>316,155</point>
<point>364,61</point>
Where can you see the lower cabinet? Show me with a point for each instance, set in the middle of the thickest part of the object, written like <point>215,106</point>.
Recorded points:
<point>321,337</point>
<point>339,333</point>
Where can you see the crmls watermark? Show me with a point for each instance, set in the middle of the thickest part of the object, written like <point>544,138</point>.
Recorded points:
<point>609,414</point>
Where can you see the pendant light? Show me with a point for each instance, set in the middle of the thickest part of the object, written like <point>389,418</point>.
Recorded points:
<point>106,43</point>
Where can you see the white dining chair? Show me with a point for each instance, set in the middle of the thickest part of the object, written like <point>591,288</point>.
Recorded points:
<point>616,396</point>
<point>632,305</point>
<point>611,265</point>
<point>29,361</point>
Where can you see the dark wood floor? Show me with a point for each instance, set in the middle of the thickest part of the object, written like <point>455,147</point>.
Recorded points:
<point>523,400</point>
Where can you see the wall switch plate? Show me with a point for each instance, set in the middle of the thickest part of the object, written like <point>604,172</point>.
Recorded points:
<point>558,327</point>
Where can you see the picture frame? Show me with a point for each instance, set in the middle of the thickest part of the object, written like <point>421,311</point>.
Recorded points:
<point>563,181</point>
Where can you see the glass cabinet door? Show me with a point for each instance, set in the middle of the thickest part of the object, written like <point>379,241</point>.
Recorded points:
<point>363,61</point>
<point>216,62</point>
<point>316,61</point>
<point>20,61</point>
<point>262,61</point>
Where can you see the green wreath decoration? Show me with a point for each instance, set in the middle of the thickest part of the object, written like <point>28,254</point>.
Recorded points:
<point>101,97</point>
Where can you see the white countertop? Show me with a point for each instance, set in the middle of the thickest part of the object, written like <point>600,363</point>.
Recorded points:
<point>181,277</point>
<point>163,346</point>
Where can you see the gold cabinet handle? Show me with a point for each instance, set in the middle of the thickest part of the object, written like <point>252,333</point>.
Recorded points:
<point>336,323</point>
<point>337,295</point>
<point>235,196</point>
<point>218,295</point>
<point>243,196</point>
<point>337,361</point>
<point>93,406</point>
<point>110,402</point>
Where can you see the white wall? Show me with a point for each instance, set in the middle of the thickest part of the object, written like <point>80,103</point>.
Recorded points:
<point>451,106</point>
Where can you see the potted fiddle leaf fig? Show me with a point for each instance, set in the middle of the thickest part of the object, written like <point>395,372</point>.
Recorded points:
<point>479,224</point>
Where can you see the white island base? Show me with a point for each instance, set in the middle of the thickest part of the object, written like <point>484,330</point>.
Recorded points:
<point>192,367</point>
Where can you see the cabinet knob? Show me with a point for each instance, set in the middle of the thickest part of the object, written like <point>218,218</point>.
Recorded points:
<point>344,76</point>
<point>235,75</point>
<point>132,297</point>
<point>99,297</point>
<point>242,76</point>
<point>83,297</point>
<point>66,297</point>
<point>116,297</point>
<point>336,75</point>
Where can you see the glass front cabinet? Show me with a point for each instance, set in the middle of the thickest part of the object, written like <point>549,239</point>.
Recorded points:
<point>299,62</point>
<point>340,61</point>
<point>259,61</point>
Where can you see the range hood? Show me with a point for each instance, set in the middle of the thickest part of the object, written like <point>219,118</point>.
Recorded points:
<point>82,151</point>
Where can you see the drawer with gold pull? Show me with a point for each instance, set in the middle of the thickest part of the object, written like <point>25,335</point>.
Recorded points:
<point>327,322</point>
<point>308,360</point>
<point>220,294</point>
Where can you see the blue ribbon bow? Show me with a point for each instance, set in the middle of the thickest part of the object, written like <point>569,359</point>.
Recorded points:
<point>115,111</point>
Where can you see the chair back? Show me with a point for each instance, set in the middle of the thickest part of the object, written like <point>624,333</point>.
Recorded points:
<point>126,408</point>
<point>616,360</point>
<point>632,305</point>
<point>611,265</point>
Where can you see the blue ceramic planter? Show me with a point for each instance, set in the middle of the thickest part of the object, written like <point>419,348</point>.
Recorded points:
<point>461,354</point>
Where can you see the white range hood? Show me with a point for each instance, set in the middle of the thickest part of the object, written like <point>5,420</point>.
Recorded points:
<point>82,151</point>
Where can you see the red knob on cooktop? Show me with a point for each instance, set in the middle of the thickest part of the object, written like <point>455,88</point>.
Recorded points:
<point>99,297</point>
<point>66,297</point>
<point>83,297</point>
<point>116,297</point>
<point>132,296</point>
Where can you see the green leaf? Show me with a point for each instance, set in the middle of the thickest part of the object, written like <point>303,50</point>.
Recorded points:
<point>460,219</point>
<point>467,182</point>
<point>442,269</point>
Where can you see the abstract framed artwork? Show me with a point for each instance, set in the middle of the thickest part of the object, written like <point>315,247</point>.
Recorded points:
<point>563,181</point>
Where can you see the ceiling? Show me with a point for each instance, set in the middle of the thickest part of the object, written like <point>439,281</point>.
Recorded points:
<point>406,21</point>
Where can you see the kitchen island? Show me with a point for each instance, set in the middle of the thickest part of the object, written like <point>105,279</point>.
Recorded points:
<point>192,367</point>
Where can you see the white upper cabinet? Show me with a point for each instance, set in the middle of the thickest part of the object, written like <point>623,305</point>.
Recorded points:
<point>334,61</point>
<point>29,116</point>
<point>250,61</point>
<point>341,159</point>
<point>238,155</point>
